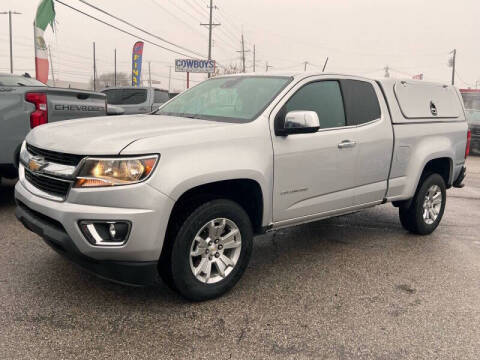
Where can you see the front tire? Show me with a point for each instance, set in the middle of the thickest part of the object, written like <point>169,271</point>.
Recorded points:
<point>426,210</point>
<point>211,250</point>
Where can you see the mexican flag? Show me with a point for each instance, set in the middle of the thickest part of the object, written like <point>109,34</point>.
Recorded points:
<point>45,16</point>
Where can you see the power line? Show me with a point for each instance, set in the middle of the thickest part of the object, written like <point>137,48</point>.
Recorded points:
<point>139,28</point>
<point>176,17</point>
<point>123,31</point>
<point>225,41</point>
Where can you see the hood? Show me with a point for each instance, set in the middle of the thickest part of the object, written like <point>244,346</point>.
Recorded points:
<point>109,135</point>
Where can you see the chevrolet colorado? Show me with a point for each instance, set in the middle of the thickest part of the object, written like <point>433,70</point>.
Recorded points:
<point>181,192</point>
<point>26,103</point>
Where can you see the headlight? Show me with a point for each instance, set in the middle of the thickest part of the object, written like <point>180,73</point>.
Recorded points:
<point>115,171</point>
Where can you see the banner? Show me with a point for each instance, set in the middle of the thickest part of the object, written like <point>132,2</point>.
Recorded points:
<point>137,63</point>
<point>45,16</point>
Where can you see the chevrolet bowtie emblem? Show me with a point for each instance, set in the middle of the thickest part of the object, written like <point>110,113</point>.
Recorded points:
<point>37,163</point>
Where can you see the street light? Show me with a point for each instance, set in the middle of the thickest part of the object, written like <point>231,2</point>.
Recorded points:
<point>10,27</point>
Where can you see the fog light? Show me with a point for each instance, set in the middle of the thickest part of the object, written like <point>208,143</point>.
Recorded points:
<point>105,233</point>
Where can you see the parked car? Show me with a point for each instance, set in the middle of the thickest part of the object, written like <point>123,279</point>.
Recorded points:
<point>181,192</point>
<point>26,103</point>
<point>473,119</point>
<point>136,100</point>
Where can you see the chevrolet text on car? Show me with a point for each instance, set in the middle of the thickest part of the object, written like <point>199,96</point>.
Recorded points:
<point>180,193</point>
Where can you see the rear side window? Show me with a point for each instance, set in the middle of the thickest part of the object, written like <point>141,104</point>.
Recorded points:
<point>160,96</point>
<point>361,102</point>
<point>323,97</point>
<point>126,96</point>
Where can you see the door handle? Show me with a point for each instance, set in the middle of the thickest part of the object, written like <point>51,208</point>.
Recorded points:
<point>347,144</point>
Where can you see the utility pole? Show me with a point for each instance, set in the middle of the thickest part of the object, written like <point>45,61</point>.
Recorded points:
<point>94,69</point>
<point>305,66</point>
<point>169,77</point>
<point>51,65</point>
<point>210,27</point>
<point>454,55</point>
<point>10,13</point>
<point>243,51</point>
<point>115,67</point>
<point>254,58</point>
<point>149,75</point>
<point>387,73</point>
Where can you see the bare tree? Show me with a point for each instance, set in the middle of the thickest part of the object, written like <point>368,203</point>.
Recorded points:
<point>229,69</point>
<point>108,79</point>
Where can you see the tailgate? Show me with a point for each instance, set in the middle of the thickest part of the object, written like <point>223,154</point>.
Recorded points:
<point>65,104</point>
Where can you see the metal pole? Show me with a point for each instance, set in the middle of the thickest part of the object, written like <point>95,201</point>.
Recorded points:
<point>305,66</point>
<point>253,57</point>
<point>149,75</point>
<point>243,54</point>
<point>11,45</point>
<point>51,65</point>
<point>453,66</point>
<point>10,13</point>
<point>188,80</point>
<point>94,70</point>
<point>115,67</point>
<point>169,77</point>
<point>266,66</point>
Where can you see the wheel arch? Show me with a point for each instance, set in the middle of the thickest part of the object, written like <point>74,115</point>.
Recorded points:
<point>247,192</point>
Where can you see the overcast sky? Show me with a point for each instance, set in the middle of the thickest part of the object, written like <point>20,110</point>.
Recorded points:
<point>358,36</point>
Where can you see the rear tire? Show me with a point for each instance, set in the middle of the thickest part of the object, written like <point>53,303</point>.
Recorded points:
<point>209,252</point>
<point>428,205</point>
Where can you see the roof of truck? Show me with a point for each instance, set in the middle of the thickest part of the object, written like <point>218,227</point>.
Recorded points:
<point>304,74</point>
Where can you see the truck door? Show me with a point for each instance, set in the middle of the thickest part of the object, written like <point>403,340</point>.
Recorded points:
<point>373,136</point>
<point>313,173</point>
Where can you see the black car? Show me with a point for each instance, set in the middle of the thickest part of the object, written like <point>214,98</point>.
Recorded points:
<point>473,118</point>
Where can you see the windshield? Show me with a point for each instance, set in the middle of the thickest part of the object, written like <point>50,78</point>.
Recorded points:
<point>15,80</point>
<point>237,98</point>
<point>129,96</point>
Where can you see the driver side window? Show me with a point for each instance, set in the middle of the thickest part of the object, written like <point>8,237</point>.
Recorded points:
<point>323,97</point>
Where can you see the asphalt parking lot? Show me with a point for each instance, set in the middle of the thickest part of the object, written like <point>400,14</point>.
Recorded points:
<point>355,287</point>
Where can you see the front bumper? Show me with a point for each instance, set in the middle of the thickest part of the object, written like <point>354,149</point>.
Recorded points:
<point>139,273</point>
<point>58,223</point>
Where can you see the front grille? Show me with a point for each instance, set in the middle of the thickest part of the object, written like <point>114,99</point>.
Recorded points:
<point>48,184</point>
<point>475,130</point>
<point>56,157</point>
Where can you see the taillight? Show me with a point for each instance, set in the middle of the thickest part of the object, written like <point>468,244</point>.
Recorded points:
<point>467,148</point>
<point>40,115</point>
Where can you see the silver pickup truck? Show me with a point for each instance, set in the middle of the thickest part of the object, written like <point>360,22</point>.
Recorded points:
<point>26,103</point>
<point>181,193</point>
<point>136,100</point>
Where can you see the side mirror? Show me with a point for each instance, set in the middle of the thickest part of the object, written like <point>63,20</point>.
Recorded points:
<point>115,110</point>
<point>299,122</point>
